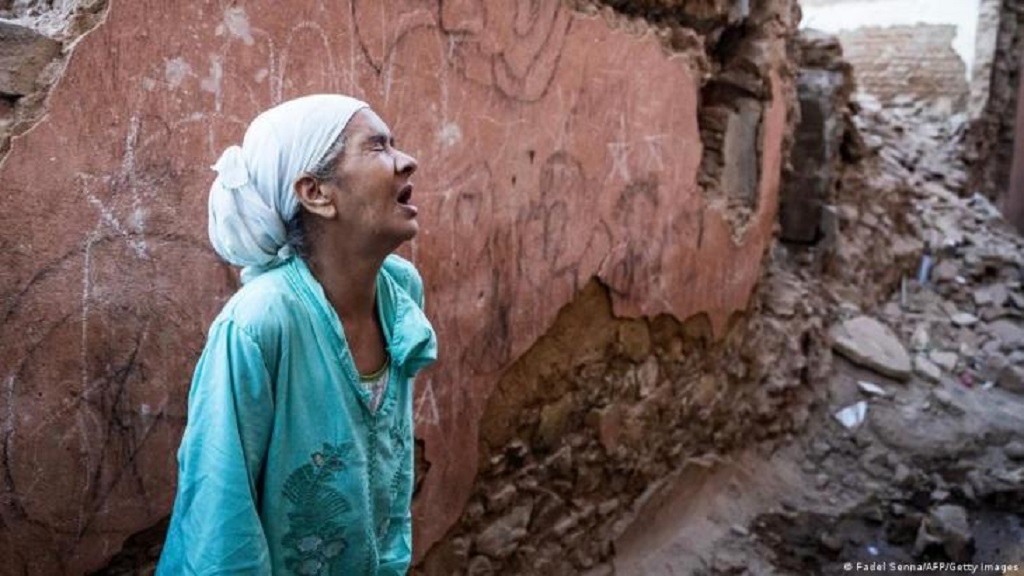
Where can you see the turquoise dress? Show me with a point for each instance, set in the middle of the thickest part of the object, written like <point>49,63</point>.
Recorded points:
<point>284,468</point>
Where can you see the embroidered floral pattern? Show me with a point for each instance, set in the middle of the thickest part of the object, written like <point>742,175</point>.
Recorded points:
<point>315,537</point>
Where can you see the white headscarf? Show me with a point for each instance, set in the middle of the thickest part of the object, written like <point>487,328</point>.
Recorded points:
<point>253,197</point>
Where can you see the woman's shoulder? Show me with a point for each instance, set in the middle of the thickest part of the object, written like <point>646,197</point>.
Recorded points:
<point>262,306</point>
<point>406,276</point>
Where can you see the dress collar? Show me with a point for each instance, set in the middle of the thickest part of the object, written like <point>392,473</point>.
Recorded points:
<point>411,341</point>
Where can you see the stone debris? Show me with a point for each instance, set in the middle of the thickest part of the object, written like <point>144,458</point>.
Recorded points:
<point>924,368</point>
<point>943,359</point>
<point>23,55</point>
<point>871,389</point>
<point>946,526</point>
<point>869,343</point>
<point>965,319</point>
<point>500,538</point>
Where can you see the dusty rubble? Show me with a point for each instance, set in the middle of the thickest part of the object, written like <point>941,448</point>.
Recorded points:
<point>917,455</point>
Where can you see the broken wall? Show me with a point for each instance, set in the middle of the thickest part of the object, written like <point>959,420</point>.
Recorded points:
<point>917,49</point>
<point>575,163</point>
<point>913,62</point>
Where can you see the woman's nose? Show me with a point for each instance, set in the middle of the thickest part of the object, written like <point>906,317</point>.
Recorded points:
<point>405,164</point>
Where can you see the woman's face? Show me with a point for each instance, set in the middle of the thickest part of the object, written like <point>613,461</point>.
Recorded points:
<point>373,180</point>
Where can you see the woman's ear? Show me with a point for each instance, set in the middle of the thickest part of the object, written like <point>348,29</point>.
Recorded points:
<point>314,197</point>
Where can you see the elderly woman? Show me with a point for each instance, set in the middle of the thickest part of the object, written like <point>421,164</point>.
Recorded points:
<point>298,453</point>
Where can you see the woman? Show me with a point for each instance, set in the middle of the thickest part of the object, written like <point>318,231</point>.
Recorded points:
<point>298,453</point>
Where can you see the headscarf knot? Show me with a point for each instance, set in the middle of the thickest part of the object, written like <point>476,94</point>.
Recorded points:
<point>231,168</point>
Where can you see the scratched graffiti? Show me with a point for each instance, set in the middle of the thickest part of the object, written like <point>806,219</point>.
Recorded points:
<point>553,149</point>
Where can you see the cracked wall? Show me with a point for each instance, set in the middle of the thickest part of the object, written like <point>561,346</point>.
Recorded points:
<point>568,154</point>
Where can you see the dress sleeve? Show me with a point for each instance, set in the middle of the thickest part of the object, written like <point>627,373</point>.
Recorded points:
<point>215,527</point>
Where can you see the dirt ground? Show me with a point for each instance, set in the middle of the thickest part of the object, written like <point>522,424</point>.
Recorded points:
<point>833,496</point>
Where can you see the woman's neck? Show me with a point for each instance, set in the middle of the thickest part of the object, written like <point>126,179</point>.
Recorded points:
<point>349,280</point>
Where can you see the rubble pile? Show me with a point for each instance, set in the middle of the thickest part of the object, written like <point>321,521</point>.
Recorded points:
<point>920,458</point>
<point>960,307</point>
<point>897,159</point>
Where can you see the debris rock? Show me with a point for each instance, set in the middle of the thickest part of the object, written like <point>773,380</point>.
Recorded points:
<point>947,526</point>
<point>871,389</point>
<point>995,295</point>
<point>1011,378</point>
<point>1008,332</point>
<point>1014,450</point>
<point>480,566</point>
<point>924,368</point>
<point>23,55</point>
<point>499,539</point>
<point>946,271</point>
<point>964,319</point>
<point>920,340</point>
<point>945,360</point>
<point>869,343</point>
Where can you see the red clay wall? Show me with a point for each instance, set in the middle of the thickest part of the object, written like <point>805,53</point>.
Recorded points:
<point>553,148</point>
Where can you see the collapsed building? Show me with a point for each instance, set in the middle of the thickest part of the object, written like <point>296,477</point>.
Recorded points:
<point>601,181</point>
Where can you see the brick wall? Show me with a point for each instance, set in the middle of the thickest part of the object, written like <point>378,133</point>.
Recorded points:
<point>917,61</point>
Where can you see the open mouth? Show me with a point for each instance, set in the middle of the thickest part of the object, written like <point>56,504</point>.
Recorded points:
<point>405,194</point>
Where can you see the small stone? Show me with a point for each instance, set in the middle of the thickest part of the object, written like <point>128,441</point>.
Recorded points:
<point>946,271</point>
<point>1011,378</point>
<point>821,480</point>
<point>945,399</point>
<point>1010,334</point>
<point>608,422</point>
<point>945,360</point>
<point>728,561</point>
<point>869,343</point>
<point>924,368</point>
<point>871,389</point>
<point>920,340</point>
<point>499,499</point>
<point>995,295</point>
<point>901,474</point>
<point>831,542</point>
<point>563,526</point>
<point>964,319</point>
<point>946,525</point>
<point>500,538</point>
<point>1014,450</point>
<point>608,506</point>
<point>993,366</point>
<point>474,511</point>
<point>892,311</point>
<point>480,566</point>
<point>1016,300</point>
